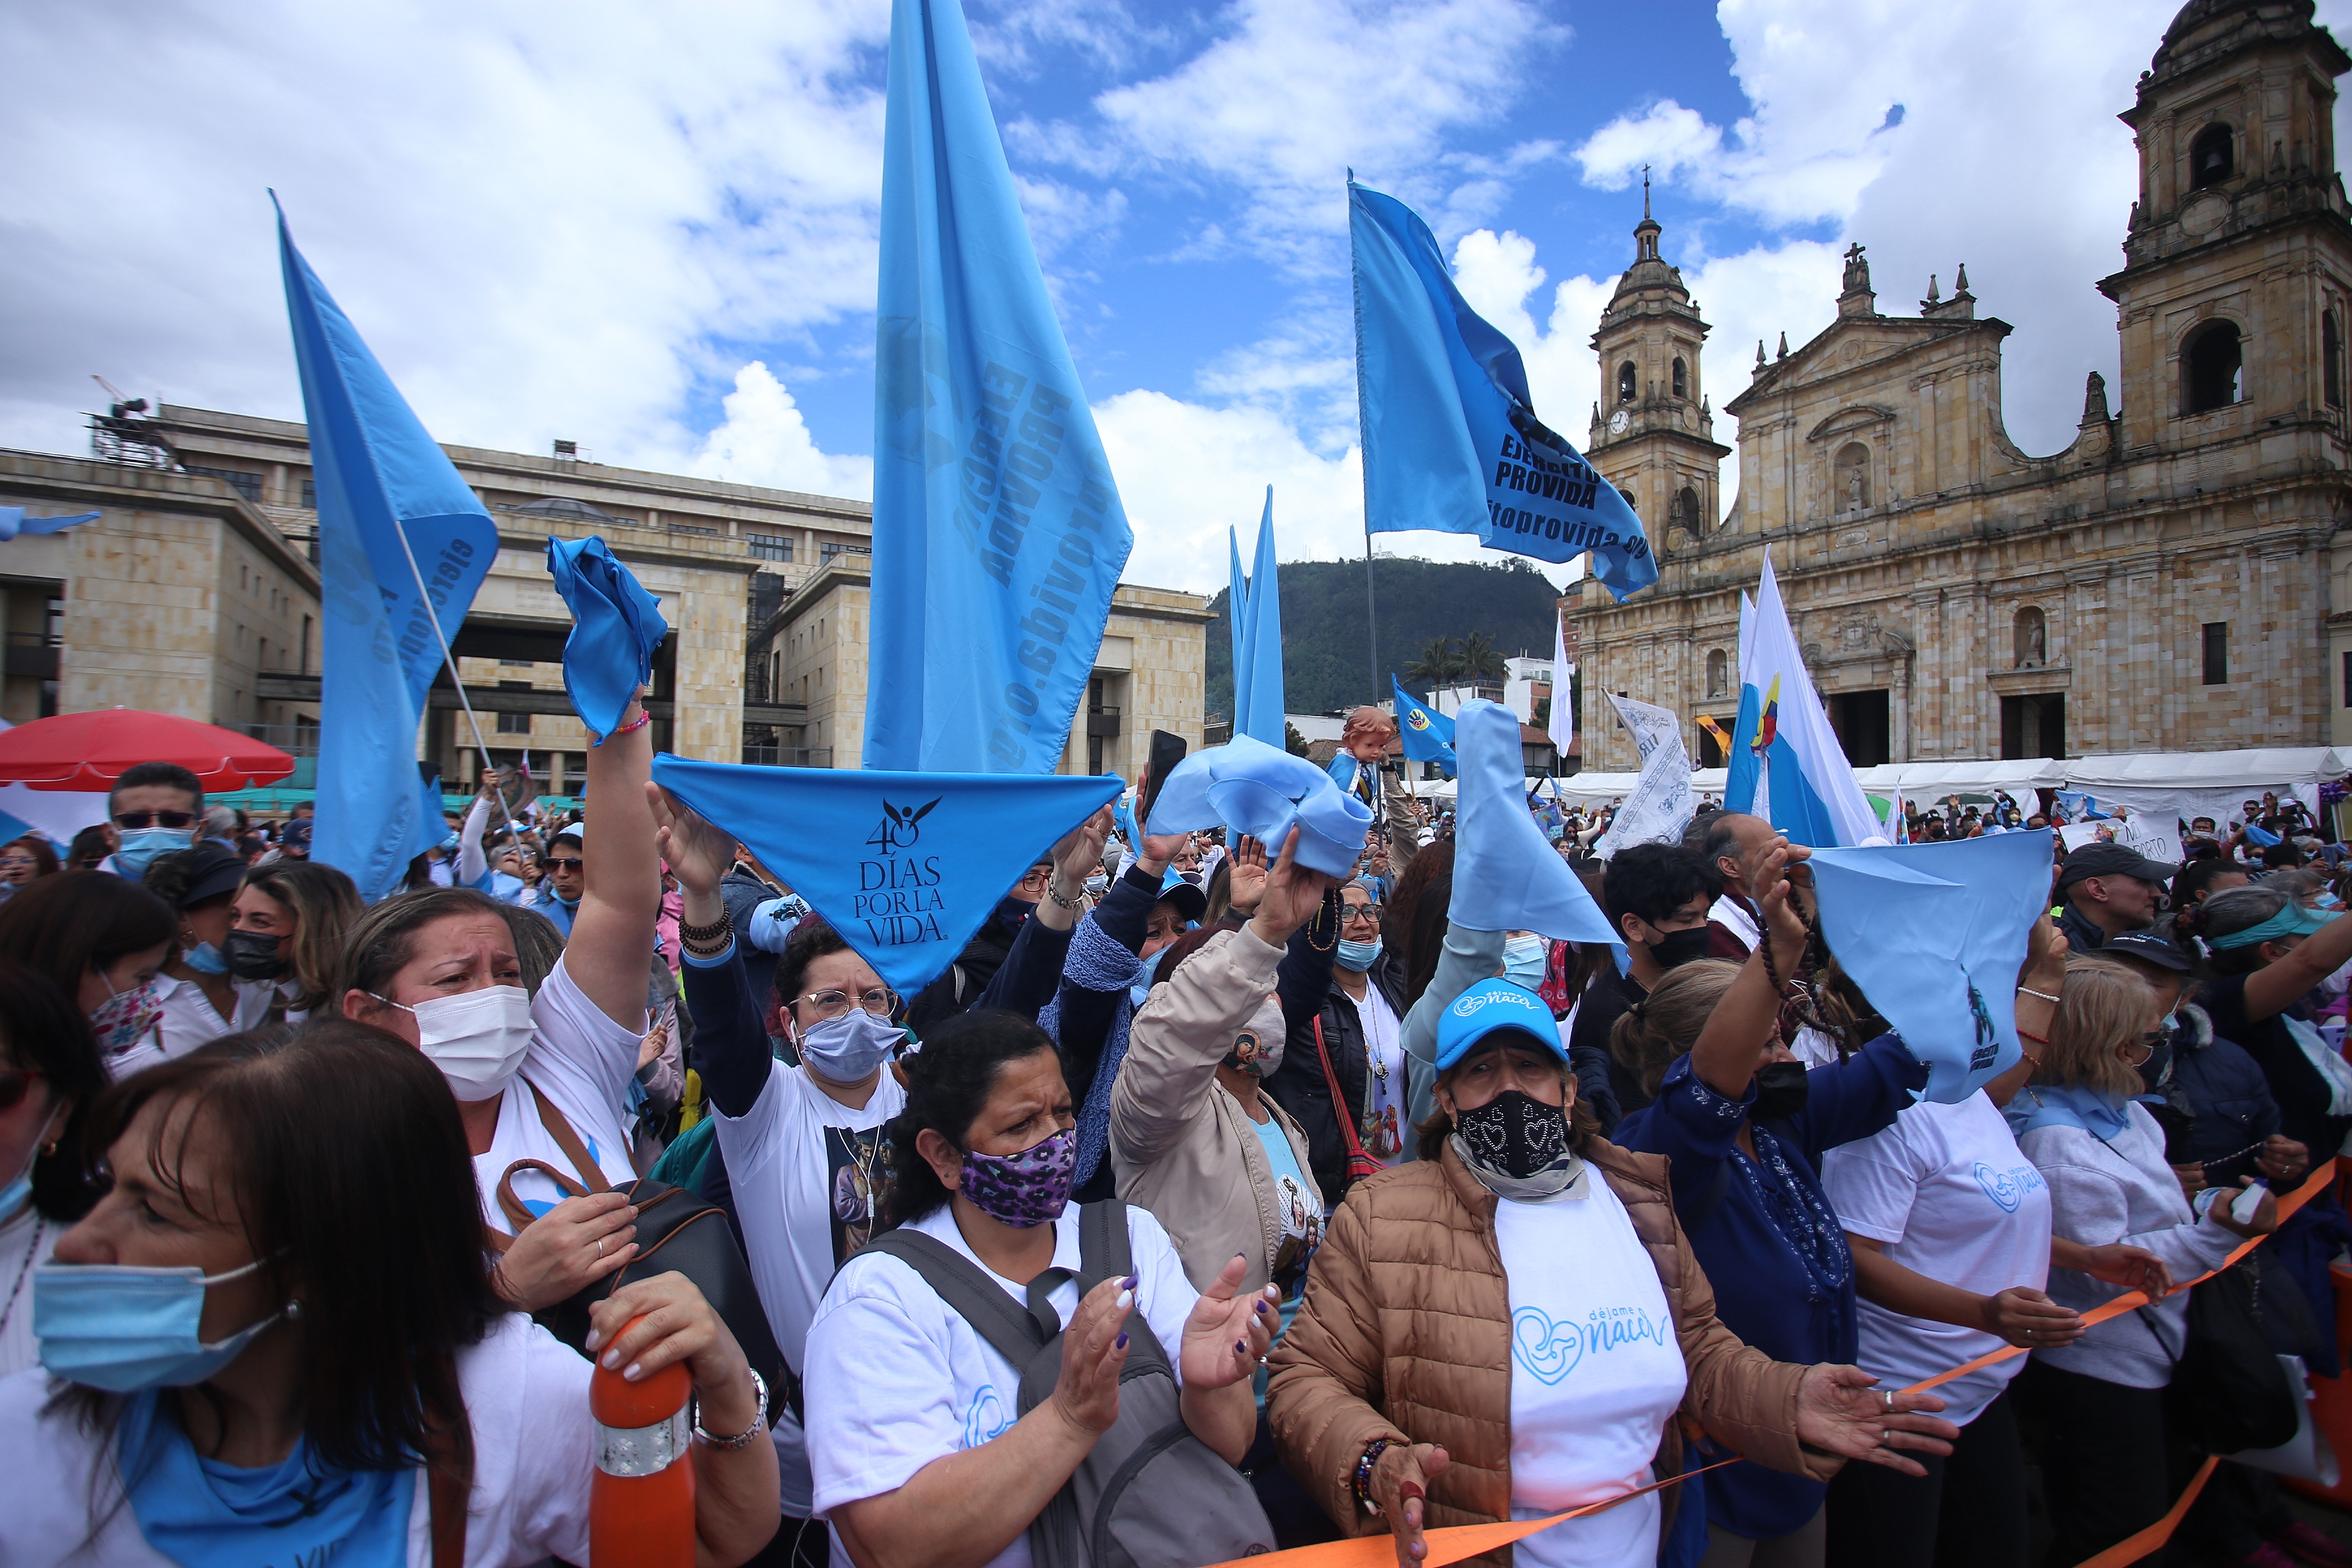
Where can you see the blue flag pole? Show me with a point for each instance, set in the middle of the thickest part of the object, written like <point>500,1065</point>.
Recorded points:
<point>998,533</point>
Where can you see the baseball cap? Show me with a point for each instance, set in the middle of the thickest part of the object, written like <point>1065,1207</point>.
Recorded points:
<point>2112,860</point>
<point>1186,897</point>
<point>2148,946</point>
<point>296,835</point>
<point>213,868</point>
<point>1490,1005</point>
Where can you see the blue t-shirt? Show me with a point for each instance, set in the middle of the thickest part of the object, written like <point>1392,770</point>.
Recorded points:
<point>1771,1243</point>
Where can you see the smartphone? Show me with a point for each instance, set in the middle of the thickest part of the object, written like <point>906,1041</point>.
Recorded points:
<point>1166,751</point>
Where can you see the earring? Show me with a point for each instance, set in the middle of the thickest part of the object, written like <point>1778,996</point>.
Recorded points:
<point>293,1310</point>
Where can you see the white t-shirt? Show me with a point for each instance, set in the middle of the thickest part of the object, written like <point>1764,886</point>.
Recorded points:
<point>25,1240</point>
<point>584,1062</point>
<point>534,1453</point>
<point>1950,1196</point>
<point>189,1019</point>
<point>1596,1373</point>
<point>802,1166</point>
<point>1384,1099</point>
<point>896,1377</point>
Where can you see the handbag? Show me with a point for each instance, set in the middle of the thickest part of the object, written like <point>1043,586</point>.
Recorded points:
<point>2228,1392</point>
<point>1359,1164</point>
<point>676,1232</point>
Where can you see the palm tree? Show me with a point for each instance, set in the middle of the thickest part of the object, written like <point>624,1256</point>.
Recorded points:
<point>1438,664</point>
<point>1480,656</point>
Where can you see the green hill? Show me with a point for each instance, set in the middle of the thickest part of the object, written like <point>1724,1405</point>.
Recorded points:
<point>1323,647</point>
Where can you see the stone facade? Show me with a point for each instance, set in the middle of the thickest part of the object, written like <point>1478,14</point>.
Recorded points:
<point>2172,580</point>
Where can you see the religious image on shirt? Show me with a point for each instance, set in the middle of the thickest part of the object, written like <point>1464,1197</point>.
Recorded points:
<point>1379,1134</point>
<point>858,1174</point>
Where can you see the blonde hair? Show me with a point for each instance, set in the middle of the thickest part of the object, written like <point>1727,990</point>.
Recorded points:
<point>2104,1007</point>
<point>1652,1033</point>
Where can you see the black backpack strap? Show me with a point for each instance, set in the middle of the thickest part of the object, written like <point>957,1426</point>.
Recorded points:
<point>977,1299</point>
<point>1104,1249</point>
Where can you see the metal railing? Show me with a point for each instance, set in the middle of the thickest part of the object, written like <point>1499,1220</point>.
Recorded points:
<point>788,756</point>
<point>294,740</point>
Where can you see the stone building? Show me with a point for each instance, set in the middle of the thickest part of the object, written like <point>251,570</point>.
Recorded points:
<point>196,592</point>
<point>2172,580</point>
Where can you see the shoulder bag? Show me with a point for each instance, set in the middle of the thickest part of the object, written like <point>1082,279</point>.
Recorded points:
<point>1359,1164</point>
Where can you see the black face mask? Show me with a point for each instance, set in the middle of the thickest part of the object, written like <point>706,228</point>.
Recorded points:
<point>253,955</point>
<point>1680,947</point>
<point>1779,1092</point>
<point>1515,1134</point>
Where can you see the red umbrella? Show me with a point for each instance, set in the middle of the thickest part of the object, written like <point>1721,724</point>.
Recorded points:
<point>89,751</point>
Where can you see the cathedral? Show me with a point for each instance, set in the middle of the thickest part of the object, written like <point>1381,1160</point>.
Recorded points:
<point>2171,581</point>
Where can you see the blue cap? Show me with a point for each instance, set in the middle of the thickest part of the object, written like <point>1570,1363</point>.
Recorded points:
<point>1489,1005</point>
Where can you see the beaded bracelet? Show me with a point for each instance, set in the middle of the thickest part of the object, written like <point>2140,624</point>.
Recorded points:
<point>1363,1481</point>
<point>2044,996</point>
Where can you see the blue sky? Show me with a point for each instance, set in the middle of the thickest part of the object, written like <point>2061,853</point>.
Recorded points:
<point>653,230</point>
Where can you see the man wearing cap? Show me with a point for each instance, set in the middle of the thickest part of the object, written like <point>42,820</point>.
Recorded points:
<point>199,1000</point>
<point>2109,889</point>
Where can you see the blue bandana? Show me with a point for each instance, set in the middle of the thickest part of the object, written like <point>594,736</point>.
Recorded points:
<point>2292,921</point>
<point>2102,1115</point>
<point>616,626</point>
<point>1265,793</point>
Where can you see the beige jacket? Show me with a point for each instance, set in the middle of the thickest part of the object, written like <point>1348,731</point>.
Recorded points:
<point>1180,1145</point>
<point>1405,1333</point>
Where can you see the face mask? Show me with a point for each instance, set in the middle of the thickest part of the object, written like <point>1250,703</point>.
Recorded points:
<point>1140,992</point>
<point>1097,884</point>
<point>847,1048</point>
<point>1523,961</point>
<point>477,1039</point>
<point>205,959</point>
<point>121,1329</point>
<point>1513,1135</point>
<point>571,906</point>
<point>1680,947</point>
<point>254,955</point>
<point>142,844</point>
<point>16,1193</point>
<point>1781,1089</point>
<point>122,1020</point>
<point>1257,1047</point>
<point>1024,1189</point>
<point>1359,956</point>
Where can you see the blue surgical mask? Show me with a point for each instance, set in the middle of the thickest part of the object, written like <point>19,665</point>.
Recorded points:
<point>123,1329</point>
<point>1140,992</point>
<point>19,1192</point>
<point>205,959</point>
<point>142,844</point>
<point>1359,956</point>
<point>1523,961</point>
<point>847,1048</point>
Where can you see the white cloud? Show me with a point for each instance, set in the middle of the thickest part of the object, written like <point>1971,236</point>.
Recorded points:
<point>1667,135</point>
<point>765,441</point>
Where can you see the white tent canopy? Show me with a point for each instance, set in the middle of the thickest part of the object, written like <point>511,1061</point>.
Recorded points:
<point>1924,781</point>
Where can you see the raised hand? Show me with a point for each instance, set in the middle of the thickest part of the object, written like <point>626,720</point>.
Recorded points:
<point>1245,882</point>
<point>1228,1333</point>
<point>1094,1348</point>
<point>1293,894</point>
<point>698,852</point>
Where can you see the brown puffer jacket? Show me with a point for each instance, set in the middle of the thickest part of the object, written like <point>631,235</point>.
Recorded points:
<point>1405,1333</point>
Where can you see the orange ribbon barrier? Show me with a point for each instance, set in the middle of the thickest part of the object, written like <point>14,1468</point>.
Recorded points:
<point>2132,1548</point>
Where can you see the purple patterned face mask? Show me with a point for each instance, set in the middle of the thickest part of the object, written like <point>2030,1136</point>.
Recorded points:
<point>1024,1189</point>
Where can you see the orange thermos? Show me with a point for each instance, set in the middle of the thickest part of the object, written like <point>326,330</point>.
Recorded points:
<point>641,1502</point>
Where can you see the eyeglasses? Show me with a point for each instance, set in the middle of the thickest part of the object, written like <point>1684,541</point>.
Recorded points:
<point>1349,912</point>
<point>13,1083</point>
<point>153,818</point>
<point>881,1001</point>
<point>569,863</point>
<point>2140,1051</point>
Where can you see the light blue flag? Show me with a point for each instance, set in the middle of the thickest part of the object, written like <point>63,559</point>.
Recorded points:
<point>1505,877</point>
<point>2079,806</point>
<point>616,627</point>
<point>998,533</point>
<point>1786,764</point>
<point>1237,626</point>
<point>1427,734</point>
<point>1934,935</point>
<point>906,867</point>
<point>1122,817</point>
<point>13,522</point>
<point>1451,437</point>
<point>1265,792</point>
<point>391,509</point>
<point>1261,718</point>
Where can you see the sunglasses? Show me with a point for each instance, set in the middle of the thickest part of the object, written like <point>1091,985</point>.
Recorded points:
<point>153,818</point>
<point>15,1082</point>
<point>569,863</point>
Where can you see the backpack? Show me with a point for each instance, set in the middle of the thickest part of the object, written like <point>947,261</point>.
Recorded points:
<point>1149,1495</point>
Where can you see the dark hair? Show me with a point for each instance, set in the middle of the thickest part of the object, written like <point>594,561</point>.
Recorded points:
<point>44,854</point>
<point>810,940</point>
<point>1425,941</point>
<point>948,1084</point>
<point>384,936</point>
<point>2230,909</point>
<point>1722,837</point>
<point>1433,861</point>
<point>88,847</point>
<point>2284,853</point>
<point>41,1029</point>
<point>326,905</point>
<point>1164,967</point>
<point>1583,1121</point>
<point>538,944</point>
<point>2196,877</point>
<point>349,1169</point>
<point>169,774</point>
<point>68,925</point>
<point>169,878</point>
<point>1652,880</point>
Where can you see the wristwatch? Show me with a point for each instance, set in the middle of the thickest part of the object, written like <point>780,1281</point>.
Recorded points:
<point>743,1438</point>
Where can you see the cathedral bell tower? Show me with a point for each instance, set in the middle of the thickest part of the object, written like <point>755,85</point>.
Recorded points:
<point>2232,302</point>
<point>1653,430</point>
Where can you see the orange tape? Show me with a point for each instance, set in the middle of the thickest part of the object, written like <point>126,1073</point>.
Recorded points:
<point>2132,1548</point>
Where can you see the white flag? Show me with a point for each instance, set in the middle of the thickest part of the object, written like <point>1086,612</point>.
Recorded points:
<point>1662,804</point>
<point>1562,725</point>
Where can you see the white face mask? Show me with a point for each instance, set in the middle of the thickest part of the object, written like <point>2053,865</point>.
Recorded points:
<point>476,1039</point>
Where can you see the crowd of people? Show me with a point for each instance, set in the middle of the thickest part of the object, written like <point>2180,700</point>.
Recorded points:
<point>1207,1203</point>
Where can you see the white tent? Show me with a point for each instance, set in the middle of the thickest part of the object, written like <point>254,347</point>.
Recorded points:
<point>1589,789</point>
<point>2169,787</point>
<point>1924,781</point>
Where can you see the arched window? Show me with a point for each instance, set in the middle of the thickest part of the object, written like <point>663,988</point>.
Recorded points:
<point>1682,378</point>
<point>1852,479</point>
<point>2331,359</point>
<point>2030,633</point>
<point>2212,368</point>
<point>1719,674</point>
<point>2212,157</point>
<point>1686,511</point>
<point>1625,381</point>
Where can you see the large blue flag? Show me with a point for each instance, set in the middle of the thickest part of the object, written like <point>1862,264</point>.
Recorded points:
<point>998,533</point>
<point>1257,696</point>
<point>391,509</point>
<point>1427,734</point>
<point>1237,623</point>
<point>1505,877</point>
<point>1451,437</point>
<point>904,865</point>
